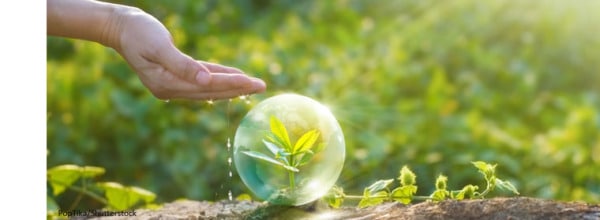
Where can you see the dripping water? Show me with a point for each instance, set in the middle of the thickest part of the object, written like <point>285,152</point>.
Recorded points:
<point>229,194</point>
<point>229,182</point>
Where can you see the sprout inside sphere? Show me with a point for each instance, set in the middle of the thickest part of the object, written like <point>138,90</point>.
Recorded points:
<point>289,150</point>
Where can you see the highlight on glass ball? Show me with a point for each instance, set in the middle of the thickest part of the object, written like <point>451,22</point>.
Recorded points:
<point>289,150</point>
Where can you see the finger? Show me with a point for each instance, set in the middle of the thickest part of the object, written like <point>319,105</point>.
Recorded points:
<point>222,86</point>
<point>183,65</point>
<point>218,68</point>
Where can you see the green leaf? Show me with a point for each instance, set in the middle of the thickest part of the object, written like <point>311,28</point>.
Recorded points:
<point>482,166</point>
<point>278,129</point>
<point>243,197</point>
<point>335,197</point>
<point>486,169</point>
<point>404,194</point>
<point>275,140</point>
<point>467,192</point>
<point>439,195</point>
<point>117,195</point>
<point>280,153</point>
<point>306,141</point>
<point>51,205</point>
<point>63,176</point>
<point>407,177</point>
<point>379,185</point>
<point>334,202</point>
<point>120,197</point>
<point>91,171</point>
<point>272,147</point>
<point>320,146</point>
<point>506,185</point>
<point>305,158</point>
<point>441,182</point>
<point>266,158</point>
<point>372,200</point>
<point>144,194</point>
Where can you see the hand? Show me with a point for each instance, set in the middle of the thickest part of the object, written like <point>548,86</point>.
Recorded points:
<point>168,73</point>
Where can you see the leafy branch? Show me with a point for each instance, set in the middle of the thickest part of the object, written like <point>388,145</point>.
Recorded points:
<point>285,154</point>
<point>380,192</point>
<point>115,196</point>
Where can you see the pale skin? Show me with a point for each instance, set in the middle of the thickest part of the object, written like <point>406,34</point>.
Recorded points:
<point>148,48</point>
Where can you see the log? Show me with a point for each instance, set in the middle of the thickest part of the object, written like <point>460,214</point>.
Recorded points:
<point>496,208</point>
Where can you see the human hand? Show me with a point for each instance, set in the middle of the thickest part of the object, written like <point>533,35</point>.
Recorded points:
<point>148,47</point>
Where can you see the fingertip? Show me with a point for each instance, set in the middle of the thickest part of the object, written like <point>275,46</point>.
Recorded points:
<point>259,84</point>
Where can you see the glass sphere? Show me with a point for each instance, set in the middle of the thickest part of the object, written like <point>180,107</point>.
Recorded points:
<point>289,150</point>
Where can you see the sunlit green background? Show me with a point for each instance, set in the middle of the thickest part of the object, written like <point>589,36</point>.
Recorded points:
<point>429,84</point>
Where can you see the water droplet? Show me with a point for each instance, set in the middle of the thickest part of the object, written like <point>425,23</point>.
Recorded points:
<point>167,100</point>
<point>210,102</point>
<point>243,97</point>
<point>229,161</point>
<point>247,102</point>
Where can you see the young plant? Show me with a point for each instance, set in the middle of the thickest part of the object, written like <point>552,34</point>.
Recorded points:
<point>116,196</point>
<point>284,153</point>
<point>380,192</point>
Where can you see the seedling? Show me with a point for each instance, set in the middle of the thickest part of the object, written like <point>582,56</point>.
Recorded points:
<point>380,192</point>
<point>285,154</point>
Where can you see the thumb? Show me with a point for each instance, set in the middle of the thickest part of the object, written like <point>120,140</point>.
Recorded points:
<point>183,65</point>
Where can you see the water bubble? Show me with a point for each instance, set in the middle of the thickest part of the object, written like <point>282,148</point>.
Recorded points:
<point>167,100</point>
<point>273,165</point>
<point>230,195</point>
<point>210,102</point>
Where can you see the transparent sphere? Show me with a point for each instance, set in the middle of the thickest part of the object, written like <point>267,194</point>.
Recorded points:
<point>289,150</point>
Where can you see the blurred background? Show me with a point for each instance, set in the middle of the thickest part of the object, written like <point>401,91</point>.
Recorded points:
<point>428,84</point>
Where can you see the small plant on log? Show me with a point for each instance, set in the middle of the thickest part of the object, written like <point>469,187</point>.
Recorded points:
<point>405,193</point>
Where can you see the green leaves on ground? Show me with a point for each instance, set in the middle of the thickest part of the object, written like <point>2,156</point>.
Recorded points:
<point>116,196</point>
<point>379,191</point>
<point>63,176</point>
<point>123,197</point>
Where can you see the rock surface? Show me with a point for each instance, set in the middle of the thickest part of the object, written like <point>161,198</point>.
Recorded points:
<point>497,208</point>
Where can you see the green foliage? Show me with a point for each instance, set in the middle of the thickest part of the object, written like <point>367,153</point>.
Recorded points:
<point>63,176</point>
<point>432,83</point>
<point>120,197</point>
<point>116,196</point>
<point>379,191</point>
<point>285,154</point>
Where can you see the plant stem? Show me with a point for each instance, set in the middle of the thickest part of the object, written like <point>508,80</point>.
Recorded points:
<point>79,196</point>
<point>292,181</point>
<point>489,187</point>
<point>291,173</point>
<point>88,193</point>
<point>83,190</point>
<point>382,197</point>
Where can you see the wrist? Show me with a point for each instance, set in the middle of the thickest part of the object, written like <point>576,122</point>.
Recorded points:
<point>115,25</point>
